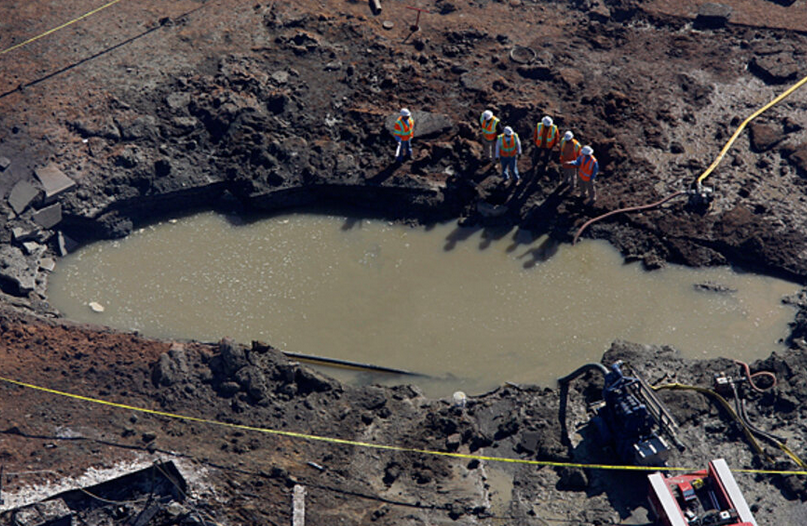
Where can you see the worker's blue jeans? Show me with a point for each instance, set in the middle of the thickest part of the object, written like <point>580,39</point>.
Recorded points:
<point>404,150</point>
<point>509,166</point>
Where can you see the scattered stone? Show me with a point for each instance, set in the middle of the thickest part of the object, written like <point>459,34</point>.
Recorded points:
<point>33,248</point>
<point>799,159</point>
<point>48,217</point>
<point>96,307</point>
<point>22,194</point>
<point>5,162</point>
<point>572,77</point>
<point>388,25</point>
<point>22,234</point>
<point>764,137</point>
<point>149,436</point>
<point>333,66</point>
<point>712,16</point>
<point>775,69</point>
<point>281,77</point>
<point>529,442</point>
<point>54,182</point>
<point>178,100</point>
<point>47,264</point>
<point>474,82</point>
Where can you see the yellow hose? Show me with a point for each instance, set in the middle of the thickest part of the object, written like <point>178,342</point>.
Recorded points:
<point>737,418</point>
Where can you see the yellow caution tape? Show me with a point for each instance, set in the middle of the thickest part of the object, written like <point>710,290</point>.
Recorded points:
<point>742,126</point>
<point>344,442</point>
<point>55,29</point>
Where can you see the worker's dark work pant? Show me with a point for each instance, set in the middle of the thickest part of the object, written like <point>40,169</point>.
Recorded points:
<point>541,157</point>
<point>404,150</point>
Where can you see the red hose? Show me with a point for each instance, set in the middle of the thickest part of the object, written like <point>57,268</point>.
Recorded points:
<point>747,371</point>
<point>629,209</point>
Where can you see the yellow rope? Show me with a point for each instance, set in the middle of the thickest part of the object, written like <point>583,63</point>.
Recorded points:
<point>344,442</point>
<point>55,29</point>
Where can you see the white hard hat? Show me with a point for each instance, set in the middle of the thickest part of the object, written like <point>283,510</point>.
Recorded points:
<point>487,115</point>
<point>405,112</point>
<point>587,150</point>
<point>547,120</point>
<point>508,131</point>
<point>568,136</point>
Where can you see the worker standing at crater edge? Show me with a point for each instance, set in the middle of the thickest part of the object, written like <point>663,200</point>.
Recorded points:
<point>587,170</point>
<point>490,124</point>
<point>403,131</point>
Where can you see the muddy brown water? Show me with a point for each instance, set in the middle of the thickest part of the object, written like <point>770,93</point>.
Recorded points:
<point>471,308</point>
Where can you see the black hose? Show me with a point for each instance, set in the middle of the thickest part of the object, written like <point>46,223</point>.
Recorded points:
<point>582,369</point>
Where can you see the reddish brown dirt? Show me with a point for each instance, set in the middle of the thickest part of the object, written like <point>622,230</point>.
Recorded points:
<point>157,107</point>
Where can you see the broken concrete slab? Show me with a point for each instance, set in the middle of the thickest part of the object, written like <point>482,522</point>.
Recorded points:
<point>48,264</point>
<point>22,234</point>
<point>54,182</point>
<point>66,244</point>
<point>5,162</point>
<point>48,217</point>
<point>22,194</point>
<point>15,268</point>
<point>32,248</point>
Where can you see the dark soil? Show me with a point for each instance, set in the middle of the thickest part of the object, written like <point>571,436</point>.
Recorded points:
<point>158,109</point>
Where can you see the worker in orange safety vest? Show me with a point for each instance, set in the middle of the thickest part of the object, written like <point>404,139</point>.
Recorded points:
<point>508,148</point>
<point>545,137</point>
<point>587,170</point>
<point>569,151</point>
<point>403,131</point>
<point>489,124</point>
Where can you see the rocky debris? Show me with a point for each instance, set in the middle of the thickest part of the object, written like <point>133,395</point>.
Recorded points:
<point>764,136</point>
<point>17,269</point>
<point>49,216</point>
<point>776,68</point>
<point>799,159</point>
<point>22,195</point>
<point>712,15</point>
<point>54,182</point>
<point>172,367</point>
<point>5,162</point>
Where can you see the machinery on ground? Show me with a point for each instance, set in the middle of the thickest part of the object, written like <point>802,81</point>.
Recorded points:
<point>629,416</point>
<point>709,497</point>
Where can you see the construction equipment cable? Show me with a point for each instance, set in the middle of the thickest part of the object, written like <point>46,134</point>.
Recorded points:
<point>55,29</point>
<point>711,167</point>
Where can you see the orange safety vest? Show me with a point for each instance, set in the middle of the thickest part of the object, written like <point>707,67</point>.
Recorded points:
<point>489,128</point>
<point>551,137</point>
<point>568,155</point>
<point>586,167</point>
<point>404,130</point>
<point>508,149</point>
